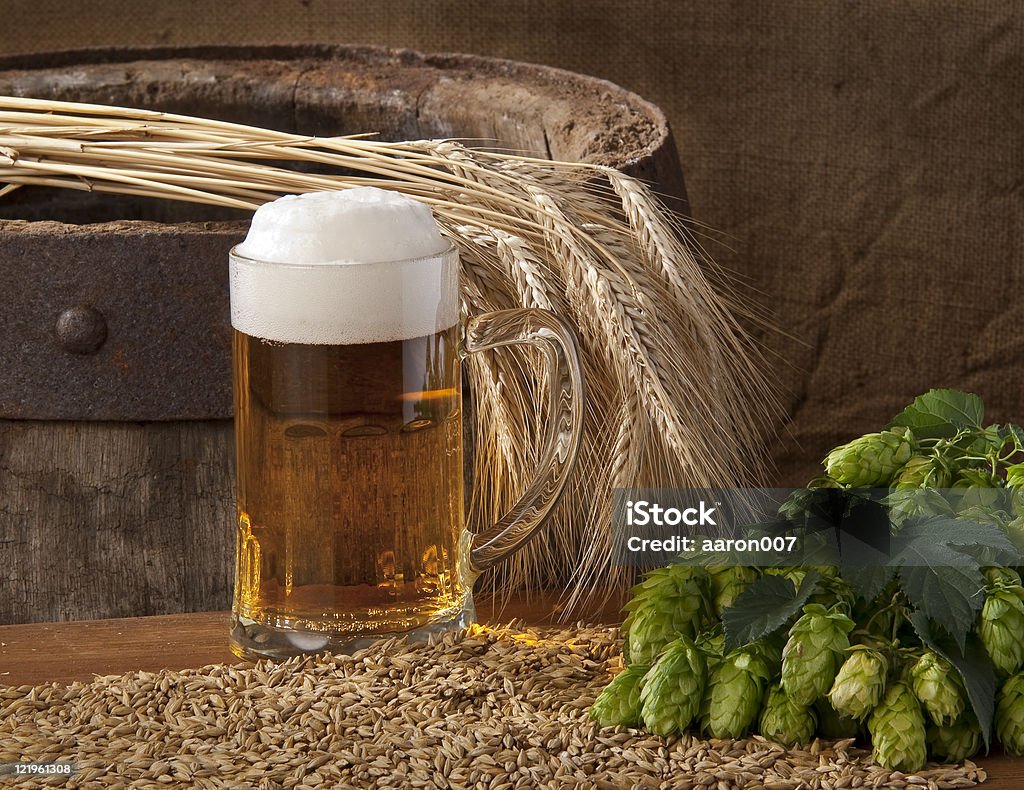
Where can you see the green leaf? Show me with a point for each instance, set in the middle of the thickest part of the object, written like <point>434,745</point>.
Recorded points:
<point>945,585</point>
<point>973,664</point>
<point>764,607</point>
<point>953,531</point>
<point>940,414</point>
<point>1013,433</point>
<point>868,582</point>
<point>942,581</point>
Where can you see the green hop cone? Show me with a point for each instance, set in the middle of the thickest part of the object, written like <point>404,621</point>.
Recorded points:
<point>1010,715</point>
<point>1015,528</point>
<point>907,503</point>
<point>813,652</point>
<point>670,602</point>
<point>619,703</point>
<point>860,682</point>
<point>727,582</point>
<point>954,743</point>
<point>1001,625</point>
<point>938,686</point>
<point>975,488</point>
<point>983,515</point>
<point>673,689</point>
<point>922,471</point>
<point>733,695</point>
<point>1015,482</point>
<point>898,731</point>
<point>1015,476</point>
<point>996,576</point>
<point>712,643</point>
<point>786,721</point>
<point>872,460</point>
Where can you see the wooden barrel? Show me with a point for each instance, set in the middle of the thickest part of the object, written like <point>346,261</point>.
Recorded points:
<point>116,446</point>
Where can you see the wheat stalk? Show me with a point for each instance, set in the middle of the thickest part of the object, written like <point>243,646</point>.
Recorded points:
<point>677,390</point>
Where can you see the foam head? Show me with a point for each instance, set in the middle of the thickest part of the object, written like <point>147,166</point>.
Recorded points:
<point>361,265</point>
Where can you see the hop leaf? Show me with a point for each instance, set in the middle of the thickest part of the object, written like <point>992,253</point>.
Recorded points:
<point>619,703</point>
<point>669,602</point>
<point>897,730</point>
<point>672,691</point>
<point>734,692</point>
<point>954,742</point>
<point>1010,715</point>
<point>727,582</point>
<point>813,652</point>
<point>860,682</point>
<point>938,686</point>
<point>786,721</point>
<point>872,460</point>
<point>1001,625</point>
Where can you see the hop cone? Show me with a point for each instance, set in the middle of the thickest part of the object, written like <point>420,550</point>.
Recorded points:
<point>1015,482</point>
<point>1001,576</point>
<point>1015,528</point>
<point>939,688</point>
<point>786,721</point>
<point>805,503</point>
<point>860,682</point>
<point>1010,715</point>
<point>1001,626</point>
<point>733,695</point>
<point>619,703</point>
<point>813,652</point>
<point>922,471</point>
<point>984,515</point>
<point>1015,476</point>
<point>872,460</point>
<point>670,602</point>
<point>727,582</point>
<point>672,691</point>
<point>954,742</point>
<point>976,488</point>
<point>907,503</point>
<point>897,730</point>
<point>712,643</point>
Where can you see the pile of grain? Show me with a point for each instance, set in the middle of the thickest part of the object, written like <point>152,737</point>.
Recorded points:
<point>496,708</point>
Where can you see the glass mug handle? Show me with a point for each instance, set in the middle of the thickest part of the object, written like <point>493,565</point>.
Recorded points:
<point>545,331</point>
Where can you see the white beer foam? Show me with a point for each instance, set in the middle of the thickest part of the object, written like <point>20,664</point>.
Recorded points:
<point>387,277</point>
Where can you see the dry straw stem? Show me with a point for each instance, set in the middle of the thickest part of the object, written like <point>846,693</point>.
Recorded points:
<point>677,390</point>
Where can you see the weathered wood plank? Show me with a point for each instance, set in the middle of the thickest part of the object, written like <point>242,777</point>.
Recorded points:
<point>114,519</point>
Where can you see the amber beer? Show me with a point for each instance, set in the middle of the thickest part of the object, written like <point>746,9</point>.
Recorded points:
<point>350,478</point>
<point>350,483</point>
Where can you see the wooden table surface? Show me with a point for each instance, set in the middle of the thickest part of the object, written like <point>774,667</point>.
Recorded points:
<point>62,652</point>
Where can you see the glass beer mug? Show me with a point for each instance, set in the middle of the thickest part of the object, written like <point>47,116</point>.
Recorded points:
<point>348,426</point>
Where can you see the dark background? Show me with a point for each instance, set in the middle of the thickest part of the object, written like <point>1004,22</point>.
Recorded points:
<point>860,162</point>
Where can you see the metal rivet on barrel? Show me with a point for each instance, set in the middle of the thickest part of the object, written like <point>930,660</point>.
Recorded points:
<point>81,329</point>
